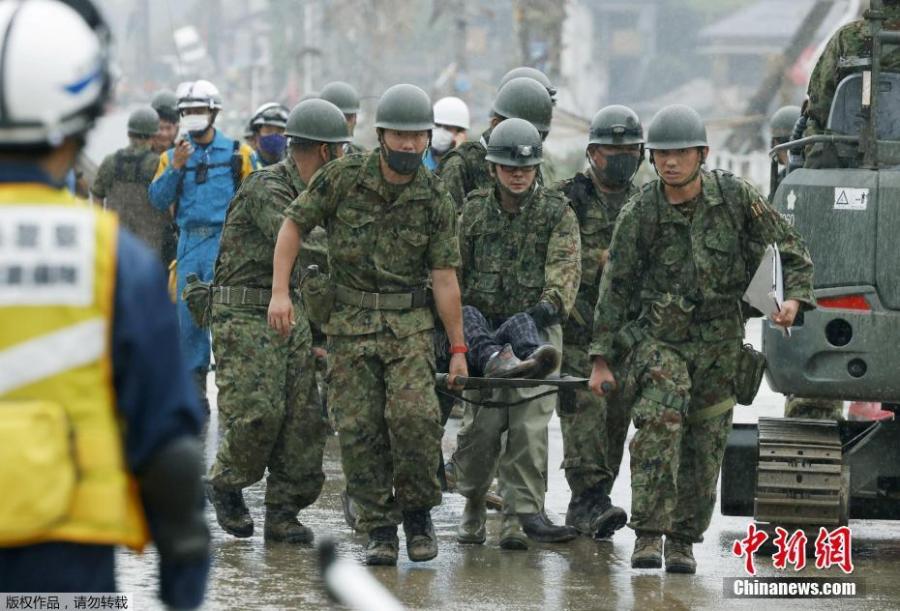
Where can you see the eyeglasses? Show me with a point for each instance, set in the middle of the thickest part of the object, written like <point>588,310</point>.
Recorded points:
<point>512,169</point>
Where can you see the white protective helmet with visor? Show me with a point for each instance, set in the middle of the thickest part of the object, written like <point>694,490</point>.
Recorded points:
<point>55,71</point>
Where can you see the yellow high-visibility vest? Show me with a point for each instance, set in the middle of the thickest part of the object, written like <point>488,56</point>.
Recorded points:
<point>63,475</point>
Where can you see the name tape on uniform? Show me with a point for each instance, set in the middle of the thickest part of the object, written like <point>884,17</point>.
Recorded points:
<point>846,198</point>
<point>46,256</point>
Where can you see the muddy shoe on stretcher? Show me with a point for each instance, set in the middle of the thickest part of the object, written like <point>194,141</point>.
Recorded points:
<point>505,364</point>
<point>546,360</point>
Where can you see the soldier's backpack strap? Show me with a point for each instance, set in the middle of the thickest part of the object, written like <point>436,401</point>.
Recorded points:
<point>732,204</point>
<point>118,162</point>
<point>560,203</point>
<point>578,190</point>
<point>648,229</point>
<point>128,165</point>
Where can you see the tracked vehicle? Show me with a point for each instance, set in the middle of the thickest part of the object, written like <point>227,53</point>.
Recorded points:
<point>809,473</point>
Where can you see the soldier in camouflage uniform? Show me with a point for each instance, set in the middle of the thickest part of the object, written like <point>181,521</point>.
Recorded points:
<point>521,266</point>
<point>268,407</point>
<point>165,104</point>
<point>594,429</point>
<point>682,252</point>
<point>841,57</point>
<point>344,96</point>
<point>548,172</point>
<point>464,169</point>
<point>390,225</point>
<point>123,177</point>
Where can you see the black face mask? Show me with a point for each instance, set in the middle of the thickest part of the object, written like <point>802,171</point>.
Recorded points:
<point>401,162</point>
<point>620,169</point>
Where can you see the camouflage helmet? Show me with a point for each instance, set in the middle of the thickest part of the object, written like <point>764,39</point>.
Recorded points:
<point>529,72</point>
<point>525,98</point>
<point>515,142</point>
<point>317,120</point>
<point>165,104</point>
<point>143,122</point>
<point>404,108</point>
<point>782,122</point>
<point>676,127</point>
<point>616,125</point>
<point>342,95</point>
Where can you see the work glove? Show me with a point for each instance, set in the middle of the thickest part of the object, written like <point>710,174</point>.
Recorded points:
<point>544,314</point>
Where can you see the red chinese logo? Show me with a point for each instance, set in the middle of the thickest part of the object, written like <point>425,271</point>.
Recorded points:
<point>832,548</point>
<point>747,546</point>
<point>791,550</point>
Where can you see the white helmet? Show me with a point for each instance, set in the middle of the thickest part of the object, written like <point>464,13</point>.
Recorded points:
<point>198,94</point>
<point>56,75</point>
<point>451,111</point>
<point>270,113</point>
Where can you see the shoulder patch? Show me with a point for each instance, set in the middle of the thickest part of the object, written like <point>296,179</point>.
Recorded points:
<point>479,193</point>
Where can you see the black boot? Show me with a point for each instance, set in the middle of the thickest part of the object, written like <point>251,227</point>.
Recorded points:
<point>421,542</point>
<point>282,526</point>
<point>382,549</point>
<point>606,518</point>
<point>578,514</point>
<point>231,511</point>
<point>541,529</point>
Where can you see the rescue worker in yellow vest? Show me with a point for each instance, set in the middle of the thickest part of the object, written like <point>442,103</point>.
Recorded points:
<point>98,416</point>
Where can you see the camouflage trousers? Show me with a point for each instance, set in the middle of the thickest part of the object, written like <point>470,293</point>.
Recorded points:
<point>522,461</point>
<point>381,394</point>
<point>593,429</point>
<point>269,410</point>
<point>677,451</point>
<point>816,409</point>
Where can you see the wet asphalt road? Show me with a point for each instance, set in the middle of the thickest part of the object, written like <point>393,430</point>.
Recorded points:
<point>584,574</point>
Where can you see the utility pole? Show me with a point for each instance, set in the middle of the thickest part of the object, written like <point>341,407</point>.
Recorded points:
<point>748,137</point>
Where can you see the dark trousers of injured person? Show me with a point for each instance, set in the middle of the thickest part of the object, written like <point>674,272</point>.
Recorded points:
<point>485,337</point>
<point>523,461</point>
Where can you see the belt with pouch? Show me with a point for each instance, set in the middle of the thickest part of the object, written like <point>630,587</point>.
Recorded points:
<point>418,298</point>
<point>241,295</point>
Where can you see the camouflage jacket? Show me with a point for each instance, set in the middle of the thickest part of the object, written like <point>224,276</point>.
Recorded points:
<point>463,169</point>
<point>689,274</point>
<point>851,41</point>
<point>597,213</point>
<point>378,245</point>
<point>513,261</point>
<point>121,183</point>
<point>251,226</point>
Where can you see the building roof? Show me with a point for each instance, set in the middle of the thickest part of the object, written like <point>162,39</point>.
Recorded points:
<point>764,27</point>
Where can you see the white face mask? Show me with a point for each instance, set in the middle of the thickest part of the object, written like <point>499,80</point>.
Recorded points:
<point>195,123</point>
<point>441,140</point>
